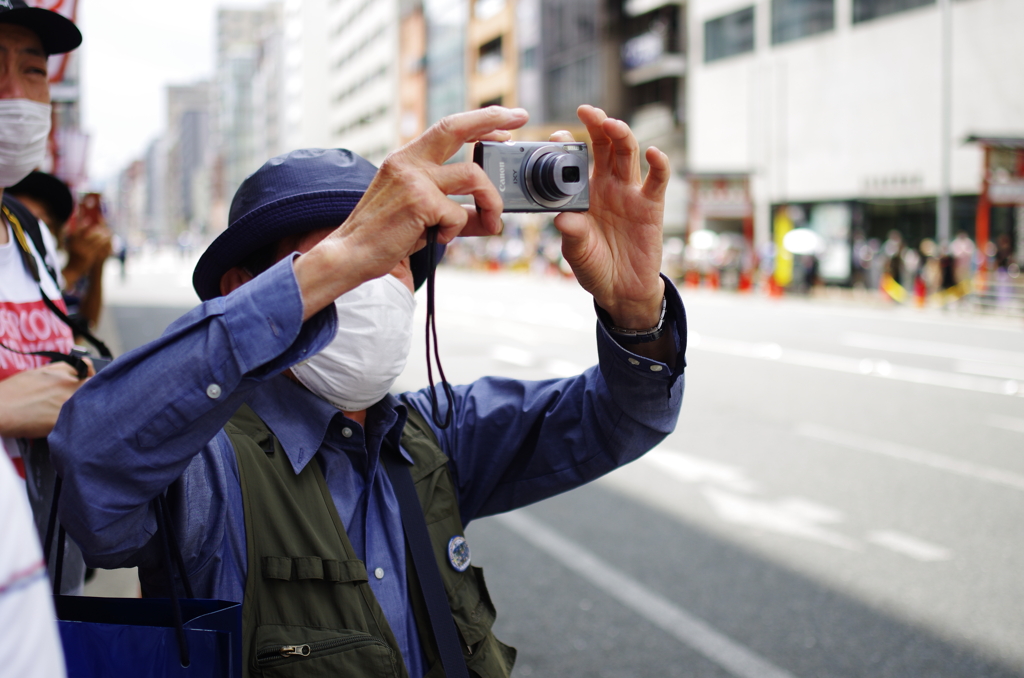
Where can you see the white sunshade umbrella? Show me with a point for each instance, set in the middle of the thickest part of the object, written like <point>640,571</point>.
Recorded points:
<point>803,241</point>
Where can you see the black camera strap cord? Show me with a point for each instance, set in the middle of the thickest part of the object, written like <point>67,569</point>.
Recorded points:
<point>432,330</point>
<point>78,325</point>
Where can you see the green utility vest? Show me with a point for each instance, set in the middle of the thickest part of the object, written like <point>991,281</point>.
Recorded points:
<point>308,609</point>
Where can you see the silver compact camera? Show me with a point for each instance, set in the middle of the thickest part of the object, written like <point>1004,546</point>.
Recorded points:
<point>537,176</point>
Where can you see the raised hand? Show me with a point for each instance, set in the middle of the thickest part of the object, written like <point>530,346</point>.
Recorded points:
<point>614,249</point>
<point>408,195</point>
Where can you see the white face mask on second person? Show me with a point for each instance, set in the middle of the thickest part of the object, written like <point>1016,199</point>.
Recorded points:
<point>24,128</point>
<point>358,368</point>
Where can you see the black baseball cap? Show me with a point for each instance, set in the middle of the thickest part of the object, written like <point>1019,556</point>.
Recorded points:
<point>49,190</point>
<point>57,33</point>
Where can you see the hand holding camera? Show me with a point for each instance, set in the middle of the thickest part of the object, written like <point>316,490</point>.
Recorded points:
<point>615,247</point>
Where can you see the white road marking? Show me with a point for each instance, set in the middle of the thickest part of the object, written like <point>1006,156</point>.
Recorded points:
<point>691,469</point>
<point>663,613</point>
<point>512,355</point>
<point>794,517</point>
<point>848,365</point>
<point>990,370</point>
<point>904,544</point>
<point>1008,423</point>
<point>912,454</point>
<point>935,349</point>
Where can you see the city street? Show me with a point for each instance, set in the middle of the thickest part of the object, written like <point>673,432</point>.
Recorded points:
<point>842,495</point>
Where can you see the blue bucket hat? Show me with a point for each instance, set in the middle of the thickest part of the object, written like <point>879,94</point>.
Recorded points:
<point>291,194</point>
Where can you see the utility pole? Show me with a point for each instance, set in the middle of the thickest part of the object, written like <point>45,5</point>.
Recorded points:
<point>944,206</point>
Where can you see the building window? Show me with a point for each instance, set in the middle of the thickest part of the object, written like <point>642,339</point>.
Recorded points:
<point>529,60</point>
<point>793,19</point>
<point>729,35</point>
<point>490,59</point>
<point>572,57</point>
<point>485,9</point>
<point>866,10</point>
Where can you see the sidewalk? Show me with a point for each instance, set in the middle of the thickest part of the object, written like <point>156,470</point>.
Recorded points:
<point>858,301</point>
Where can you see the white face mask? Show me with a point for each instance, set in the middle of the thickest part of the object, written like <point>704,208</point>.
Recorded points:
<point>24,128</point>
<point>357,369</point>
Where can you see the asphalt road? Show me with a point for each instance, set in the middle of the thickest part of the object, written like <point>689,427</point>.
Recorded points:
<point>842,495</point>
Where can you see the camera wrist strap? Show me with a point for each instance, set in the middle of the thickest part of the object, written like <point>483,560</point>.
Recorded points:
<point>432,330</point>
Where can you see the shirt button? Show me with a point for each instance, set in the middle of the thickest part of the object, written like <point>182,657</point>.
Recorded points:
<point>379,573</point>
<point>634,361</point>
<point>213,391</point>
<point>655,368</point>
<point>347,432</point>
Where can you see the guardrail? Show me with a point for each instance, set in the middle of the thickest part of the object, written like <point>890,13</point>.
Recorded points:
<point>996,294</point>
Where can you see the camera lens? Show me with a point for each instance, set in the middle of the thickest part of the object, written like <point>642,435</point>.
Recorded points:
<point>556,175</point>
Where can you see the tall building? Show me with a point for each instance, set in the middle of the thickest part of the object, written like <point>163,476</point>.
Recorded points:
<point>412,70</point>
<point>241,146</point>
<point>269,87</point>
<point>493,54</point>
<point>650,85</point>
<point>155,220</point>
<point>362,57</point>
<point>189,156</point>
<point>446,22</point>
<point>837,111</point>
<point>306,75</point>
<point>128,207</point>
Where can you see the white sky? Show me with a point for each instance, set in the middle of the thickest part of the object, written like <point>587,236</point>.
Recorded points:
<point>132,49</point>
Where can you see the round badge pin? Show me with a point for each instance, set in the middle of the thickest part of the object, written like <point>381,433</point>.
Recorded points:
<point>458,553</point>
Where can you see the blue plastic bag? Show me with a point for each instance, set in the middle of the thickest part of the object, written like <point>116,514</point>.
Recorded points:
<point>116,637</point>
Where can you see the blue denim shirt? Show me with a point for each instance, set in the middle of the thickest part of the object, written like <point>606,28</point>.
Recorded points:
<point>153,420</point>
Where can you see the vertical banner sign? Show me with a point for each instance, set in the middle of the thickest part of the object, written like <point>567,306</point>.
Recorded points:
<point>69,9</point>
<point>783,257</point>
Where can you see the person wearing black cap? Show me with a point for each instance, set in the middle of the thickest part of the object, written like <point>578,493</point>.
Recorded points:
<point>265,413</point>
<point>29,398</point>
<point>31,392</point>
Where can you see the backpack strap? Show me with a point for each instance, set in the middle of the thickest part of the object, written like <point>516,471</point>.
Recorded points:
<point>25,225</point>
<point>30,227</point>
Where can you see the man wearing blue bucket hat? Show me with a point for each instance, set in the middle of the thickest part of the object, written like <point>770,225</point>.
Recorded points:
<point>305,325</point>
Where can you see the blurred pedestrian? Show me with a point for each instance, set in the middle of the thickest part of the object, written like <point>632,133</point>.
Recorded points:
<point>930,270</point>
<point>858,261</point>
<point>892,248</point>
<point>89,244</point>
<point>1001,262</point>
<point>891,281</point>
<point>32,388</point>
<point>962,249</point>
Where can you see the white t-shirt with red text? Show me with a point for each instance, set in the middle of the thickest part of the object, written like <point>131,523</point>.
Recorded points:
<point>26,324</point>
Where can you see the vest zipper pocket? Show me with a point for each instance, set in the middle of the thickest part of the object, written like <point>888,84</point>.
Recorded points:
<point>278,654</point>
